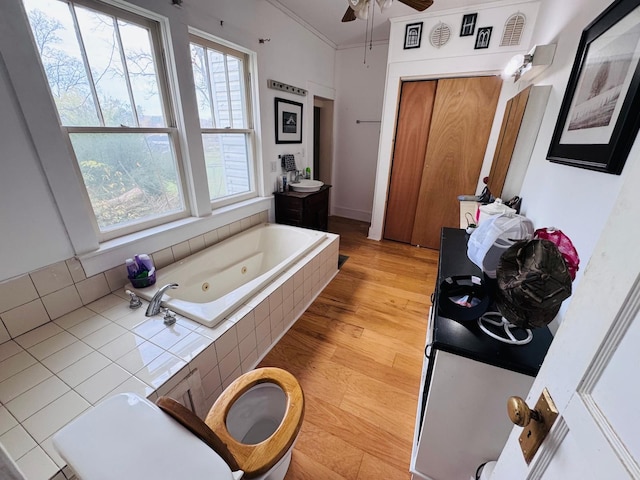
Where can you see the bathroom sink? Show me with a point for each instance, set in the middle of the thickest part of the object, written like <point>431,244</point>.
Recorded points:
<point>306,186</point>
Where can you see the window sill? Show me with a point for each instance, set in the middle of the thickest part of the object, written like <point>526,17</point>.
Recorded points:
<point>113,253</point>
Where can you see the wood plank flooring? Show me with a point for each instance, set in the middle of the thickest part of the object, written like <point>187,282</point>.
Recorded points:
<point>357,352</point>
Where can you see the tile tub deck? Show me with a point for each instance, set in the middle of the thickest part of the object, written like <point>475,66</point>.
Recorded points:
<point>52,374</point>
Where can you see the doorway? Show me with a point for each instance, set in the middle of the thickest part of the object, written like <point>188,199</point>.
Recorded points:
<point>442,131</point>
<point>322,139</point>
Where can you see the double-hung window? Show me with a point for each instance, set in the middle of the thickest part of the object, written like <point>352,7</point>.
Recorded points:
<point>106,75</point>
<point>221,77</point>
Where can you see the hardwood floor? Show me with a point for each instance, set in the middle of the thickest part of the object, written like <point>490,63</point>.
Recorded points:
<point>357,352</point>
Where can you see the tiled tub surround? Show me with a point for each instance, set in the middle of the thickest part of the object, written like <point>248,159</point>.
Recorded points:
<point>214,282</point>
<point>51,374</point>
<point>31,300</point>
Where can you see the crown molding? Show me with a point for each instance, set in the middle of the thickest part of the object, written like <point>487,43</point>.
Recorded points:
<point>299,20</point>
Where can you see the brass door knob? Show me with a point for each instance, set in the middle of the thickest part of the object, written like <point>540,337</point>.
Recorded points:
<point>520,413</point>
<point>543,416</point>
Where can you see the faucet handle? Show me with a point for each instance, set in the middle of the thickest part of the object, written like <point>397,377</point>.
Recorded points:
<point>134,301</point>
<point>169,317</point>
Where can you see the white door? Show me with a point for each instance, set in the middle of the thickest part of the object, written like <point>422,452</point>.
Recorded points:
<point>591,369</point>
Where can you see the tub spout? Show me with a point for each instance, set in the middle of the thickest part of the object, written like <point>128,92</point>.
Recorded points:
<point>154,303</point>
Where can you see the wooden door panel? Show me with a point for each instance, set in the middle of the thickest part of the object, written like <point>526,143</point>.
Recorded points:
<point>461,122</point>
<point>412,130</point>
<point>514,112</point>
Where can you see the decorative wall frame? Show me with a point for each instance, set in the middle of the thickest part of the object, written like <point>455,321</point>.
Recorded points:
<point>288,116</point>
<point>483,38</point>
<point>412,35</point>
<point>468,26</point>
<point>598,119</point>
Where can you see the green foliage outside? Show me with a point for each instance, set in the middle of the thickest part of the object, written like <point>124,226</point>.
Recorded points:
<point>129,176</point>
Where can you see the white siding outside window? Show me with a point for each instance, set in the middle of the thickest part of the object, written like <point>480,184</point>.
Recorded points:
<point>221,78</point>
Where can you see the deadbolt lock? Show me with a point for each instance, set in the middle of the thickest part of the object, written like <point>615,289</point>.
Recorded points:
<point>536,422</point>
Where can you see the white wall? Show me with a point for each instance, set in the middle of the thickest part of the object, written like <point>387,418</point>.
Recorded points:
<point>577,201</point>
<point>359,97</point>
<point>33,233</point>
<point>455,59</point>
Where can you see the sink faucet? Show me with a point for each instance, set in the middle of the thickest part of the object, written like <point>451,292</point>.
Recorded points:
<point>297,176</point>
<point>154,303</point>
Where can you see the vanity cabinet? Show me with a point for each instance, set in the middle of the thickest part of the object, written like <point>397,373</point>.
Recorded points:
<point>303,209</point>
<point>466,380</point>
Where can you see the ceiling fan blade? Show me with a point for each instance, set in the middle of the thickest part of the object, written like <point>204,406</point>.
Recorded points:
<point>419,5</point>
<point>349,15</point>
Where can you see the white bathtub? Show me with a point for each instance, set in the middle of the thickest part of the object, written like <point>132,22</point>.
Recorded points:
<point>219,279</point>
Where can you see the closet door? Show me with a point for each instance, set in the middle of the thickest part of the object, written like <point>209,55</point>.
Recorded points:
<point>461,122</point>
<point>412,131</point>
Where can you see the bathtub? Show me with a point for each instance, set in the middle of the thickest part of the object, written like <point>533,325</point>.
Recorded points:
<point>219,279</point>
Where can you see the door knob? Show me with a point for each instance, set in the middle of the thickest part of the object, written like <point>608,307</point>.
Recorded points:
<point>520,413</point>
<point>536,422</point>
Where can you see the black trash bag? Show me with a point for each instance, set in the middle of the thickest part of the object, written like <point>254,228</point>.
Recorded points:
<point>533,281</point>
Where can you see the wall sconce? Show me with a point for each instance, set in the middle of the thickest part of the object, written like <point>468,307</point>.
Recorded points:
<point>530,64</point>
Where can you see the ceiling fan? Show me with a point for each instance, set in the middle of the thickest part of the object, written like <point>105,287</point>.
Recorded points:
<point>359,8</point>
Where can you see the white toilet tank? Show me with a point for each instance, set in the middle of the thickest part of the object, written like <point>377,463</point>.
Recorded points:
<point>126,437</point>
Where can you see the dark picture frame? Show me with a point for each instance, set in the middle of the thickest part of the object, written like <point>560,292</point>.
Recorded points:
<point>483,38</point>
<point>468,25</point>
<point>288,121</point>
<point>412,35</point>
<point>598,119</point>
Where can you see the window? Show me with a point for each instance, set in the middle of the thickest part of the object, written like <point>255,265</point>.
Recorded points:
<point>221,79</point>
<point>105,74</point>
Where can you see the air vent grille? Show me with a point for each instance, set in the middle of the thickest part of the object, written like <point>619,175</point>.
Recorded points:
<point>440,35</point>
<point>513,29</point>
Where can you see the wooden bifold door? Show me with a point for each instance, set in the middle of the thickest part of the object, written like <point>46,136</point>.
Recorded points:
<point>441,137</point>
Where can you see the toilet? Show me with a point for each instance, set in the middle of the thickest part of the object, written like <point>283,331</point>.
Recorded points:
<point>249,433</point>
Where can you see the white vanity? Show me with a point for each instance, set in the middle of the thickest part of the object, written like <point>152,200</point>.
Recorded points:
<point>467,378</point>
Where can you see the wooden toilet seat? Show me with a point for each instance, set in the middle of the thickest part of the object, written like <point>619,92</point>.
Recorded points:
<point>257,459</point>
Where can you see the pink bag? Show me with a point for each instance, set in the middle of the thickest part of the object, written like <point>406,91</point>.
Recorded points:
<point>564,244</point>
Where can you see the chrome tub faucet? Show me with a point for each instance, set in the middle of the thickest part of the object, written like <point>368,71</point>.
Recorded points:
<point>154,303</point>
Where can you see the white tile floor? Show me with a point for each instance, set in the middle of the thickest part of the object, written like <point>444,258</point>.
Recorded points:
<point>50,375</point>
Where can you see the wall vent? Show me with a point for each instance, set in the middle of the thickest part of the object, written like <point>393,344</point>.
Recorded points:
<point>440,35</point>
<point>513,29</point>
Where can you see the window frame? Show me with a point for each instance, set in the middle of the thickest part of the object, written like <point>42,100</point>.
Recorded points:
<point>60,170</point>
<point>206,40</point>
<point>166,93</point>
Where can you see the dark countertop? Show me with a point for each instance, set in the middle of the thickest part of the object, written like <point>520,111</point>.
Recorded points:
<point>291,193</point>
<point>466,339</point>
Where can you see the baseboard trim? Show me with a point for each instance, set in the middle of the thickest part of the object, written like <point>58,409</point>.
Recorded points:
<point>363,216</point>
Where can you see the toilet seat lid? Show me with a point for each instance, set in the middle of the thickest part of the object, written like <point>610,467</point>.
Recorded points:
<point>126,436</point>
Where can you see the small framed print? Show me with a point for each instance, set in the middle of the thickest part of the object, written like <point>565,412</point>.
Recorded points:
<point>412,35</point>
<point>288,121</point>
<point>483,38</point>
<point>468,27</point>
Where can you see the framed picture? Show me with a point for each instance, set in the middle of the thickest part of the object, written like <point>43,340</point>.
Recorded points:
<point>288,121</point>
<point>412,35</point>
<point>483,38</point>
<point>598,118</point>
<point>468,27</point>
